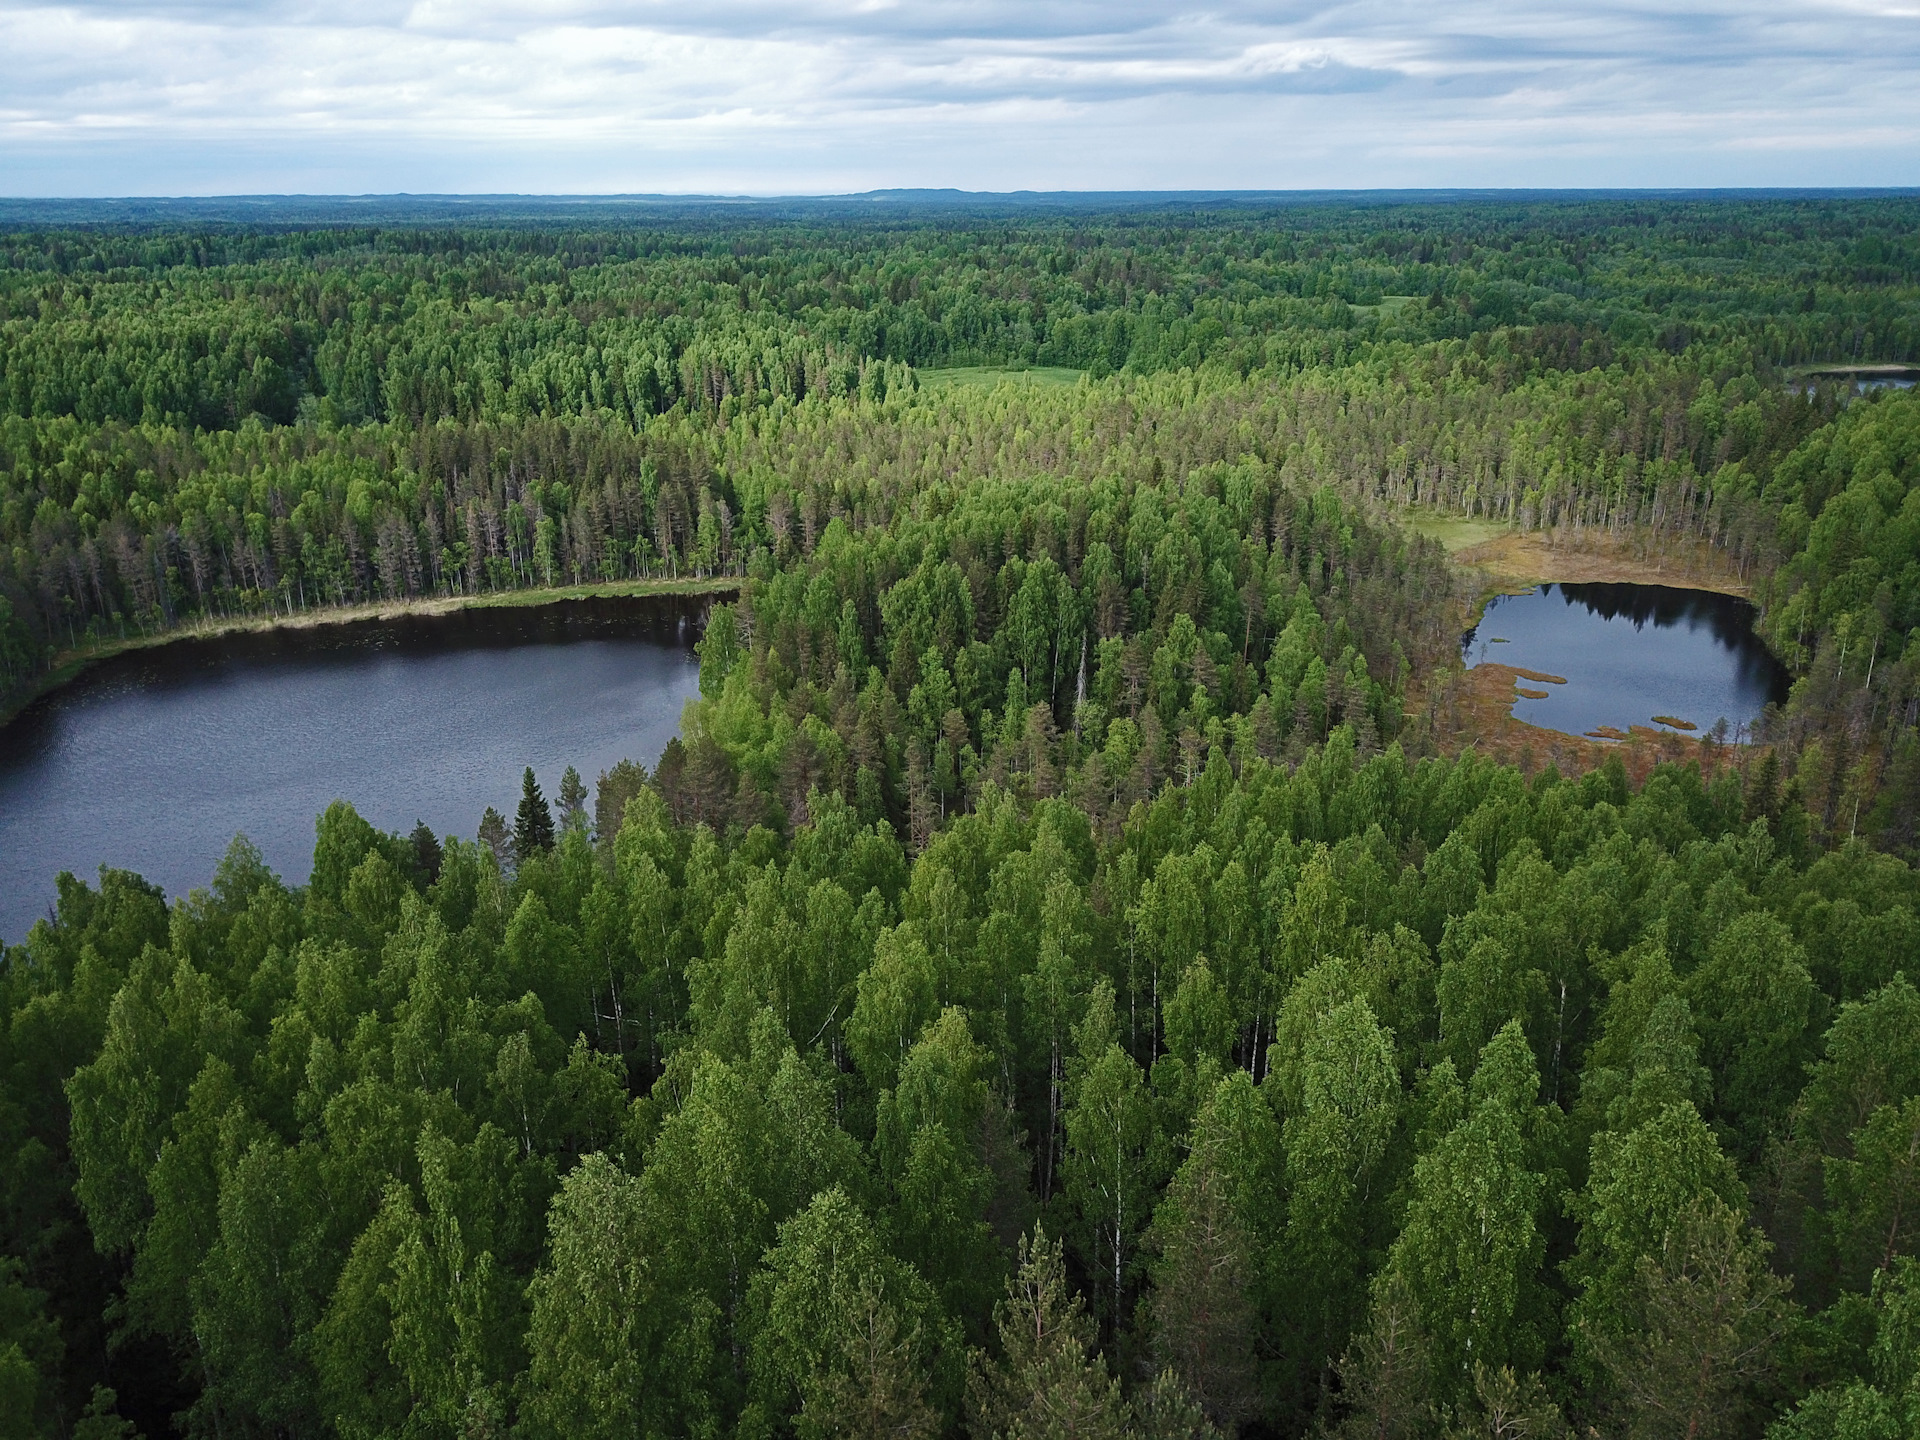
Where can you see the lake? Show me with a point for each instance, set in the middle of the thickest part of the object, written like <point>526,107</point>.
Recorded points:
<point>1629,653</point>
<point>152,761</point>
<point>1861,379</point>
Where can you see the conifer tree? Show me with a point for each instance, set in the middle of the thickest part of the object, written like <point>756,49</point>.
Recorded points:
<point>1703,1321</point>
<point>1049,1382</point>
<point>493,835</point>
<point>533,822</point>
<point>1201,1312</point>
<point>426,851</point>
<point>573,800</point>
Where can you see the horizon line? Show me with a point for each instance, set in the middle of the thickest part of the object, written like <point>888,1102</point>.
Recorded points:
<point>956,193</point>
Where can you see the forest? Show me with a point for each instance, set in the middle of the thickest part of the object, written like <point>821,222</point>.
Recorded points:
<point>1060,981</point>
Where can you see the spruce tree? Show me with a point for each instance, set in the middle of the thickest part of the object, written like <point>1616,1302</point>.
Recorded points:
<point>533,822</point>
<point>426,850</point>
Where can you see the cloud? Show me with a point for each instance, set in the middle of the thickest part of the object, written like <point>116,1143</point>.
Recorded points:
<point>198,96</point>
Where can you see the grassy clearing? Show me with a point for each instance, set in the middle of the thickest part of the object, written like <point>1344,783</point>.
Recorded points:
<point>69,664</point>
<point>987,376</point>
<point>1388,305</point>
<point>1456,532</point>
<point>1520,559</point>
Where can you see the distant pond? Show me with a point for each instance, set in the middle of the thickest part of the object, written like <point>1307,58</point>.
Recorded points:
<point>1623,655</point>
<point>152,761</point>
<point>1860,379</point>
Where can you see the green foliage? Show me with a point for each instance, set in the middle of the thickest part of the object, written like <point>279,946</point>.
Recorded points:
<point>199,425</point>
<point>848,1340</point>
<point>532,822</point>
<point>587,1373</point>
<point>1047,1380</point>
<point>1052,841</point>
<point>1470,1250</point>
<point>1213,1239</point>
<point>697,1130</point>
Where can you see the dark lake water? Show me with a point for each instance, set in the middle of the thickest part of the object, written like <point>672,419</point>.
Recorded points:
<point>1629,653</point>
<point>1863,380</point>
<point>153,761</point>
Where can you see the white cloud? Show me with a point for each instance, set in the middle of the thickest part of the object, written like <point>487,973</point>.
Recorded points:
<point>746,95</point>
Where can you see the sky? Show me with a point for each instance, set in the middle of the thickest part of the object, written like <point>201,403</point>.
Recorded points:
<point>211,97</point>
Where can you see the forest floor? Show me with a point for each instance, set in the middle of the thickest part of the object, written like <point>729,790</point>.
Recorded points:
<point>69,664</point>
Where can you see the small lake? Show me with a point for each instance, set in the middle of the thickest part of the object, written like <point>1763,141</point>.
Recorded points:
<point>154,760</point>
<point>1629,653</point>
<point>1861,379</point>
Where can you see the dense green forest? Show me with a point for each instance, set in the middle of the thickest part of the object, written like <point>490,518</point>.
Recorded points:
<point>1053,985</point>
<point>242,420</point>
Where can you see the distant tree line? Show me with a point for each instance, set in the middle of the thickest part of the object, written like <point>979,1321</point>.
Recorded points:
<point>1050,987</point>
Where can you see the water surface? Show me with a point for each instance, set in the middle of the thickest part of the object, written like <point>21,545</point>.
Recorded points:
<point>1863,379</point>
<point>154,760</point>
<point>1629,653</point>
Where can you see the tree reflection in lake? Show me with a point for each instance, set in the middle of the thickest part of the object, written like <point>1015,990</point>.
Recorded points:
<point>152,761</point>
<point>1630,652</point>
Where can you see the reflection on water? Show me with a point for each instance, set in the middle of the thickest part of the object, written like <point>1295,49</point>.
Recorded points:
<point>1628,653</point>
<point>1861,380</point>
<point>151,762</point>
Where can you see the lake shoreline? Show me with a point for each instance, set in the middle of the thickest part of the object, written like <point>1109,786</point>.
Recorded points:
<point>1500,560</point>
<point>69,665</point>
<point>152,762</point>
<point>1505,560</point>
<point>1525,558</point>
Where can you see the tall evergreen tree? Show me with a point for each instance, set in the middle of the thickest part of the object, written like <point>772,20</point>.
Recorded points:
<point>573,800</point>
<point>533,822</point>
<point>496,837</point>
<point>1048,1381</point>
<point>1202,1313</point>
<point>426,851</point>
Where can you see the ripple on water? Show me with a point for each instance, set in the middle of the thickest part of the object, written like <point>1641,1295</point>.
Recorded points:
<point>152,761</point>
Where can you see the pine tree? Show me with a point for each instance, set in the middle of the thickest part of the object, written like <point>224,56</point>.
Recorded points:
<point>1706,1317</point>
<point>1167,1410</point>
<point>850,1333</point>
<point>573,800</point>
<point>533,822</point>
<point>493,835</point>
<point>1506,1406</point>
<point>1763,789</point>
<point>879,1393</point>
<point>1386,1377</point>
<point>1200,1311</point>
<point>1049,1381</point>
<point>612,791</point>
